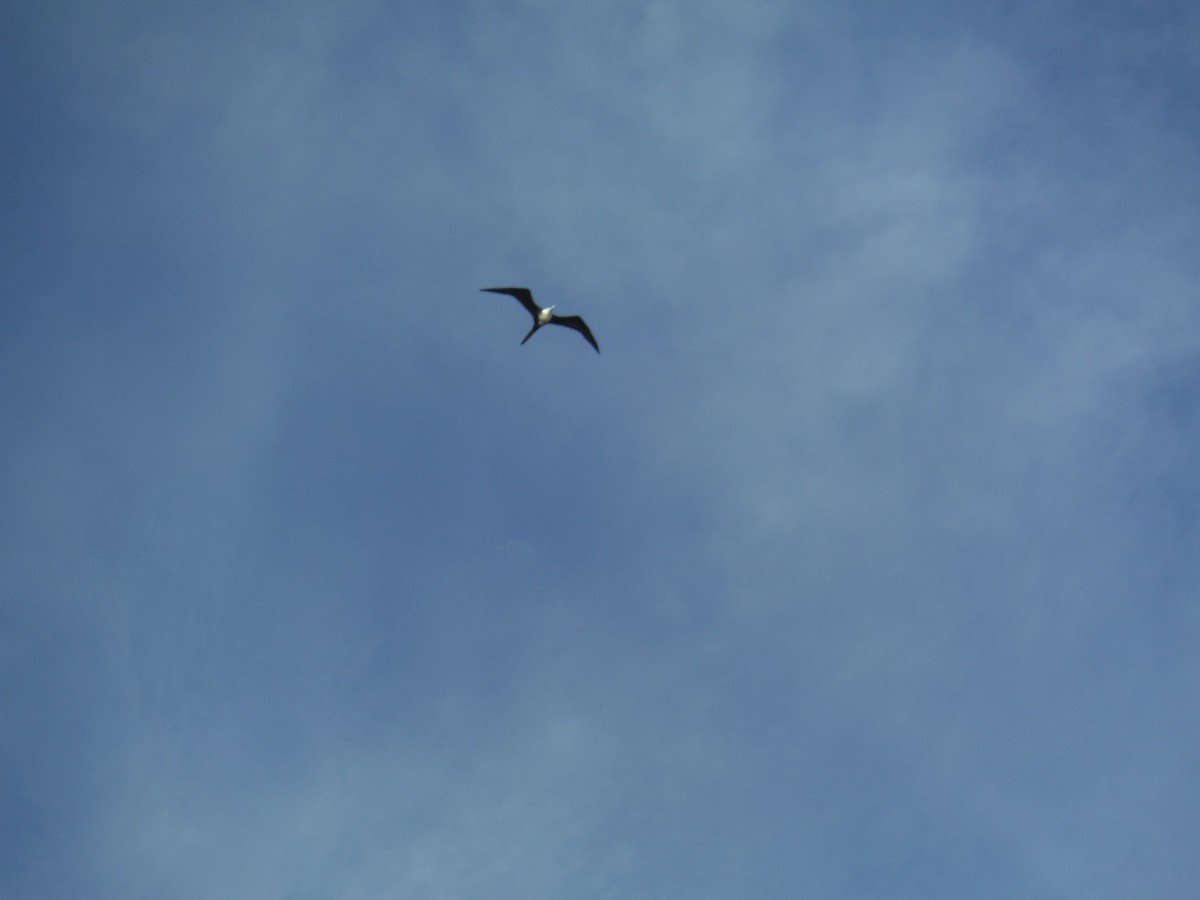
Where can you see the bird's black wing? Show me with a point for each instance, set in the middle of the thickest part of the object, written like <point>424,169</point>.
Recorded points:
<point>579,325</point>
<point>524,295</point>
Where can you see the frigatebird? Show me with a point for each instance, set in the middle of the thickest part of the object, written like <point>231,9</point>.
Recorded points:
<point>545,316</point>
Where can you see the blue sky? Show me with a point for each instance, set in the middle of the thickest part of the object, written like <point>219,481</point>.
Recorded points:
<point>863,562</point>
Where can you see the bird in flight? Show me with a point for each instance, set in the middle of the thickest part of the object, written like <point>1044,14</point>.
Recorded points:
<point>545,316</point>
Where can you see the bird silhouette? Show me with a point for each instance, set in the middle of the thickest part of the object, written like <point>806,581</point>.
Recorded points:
<point>545,316</point>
